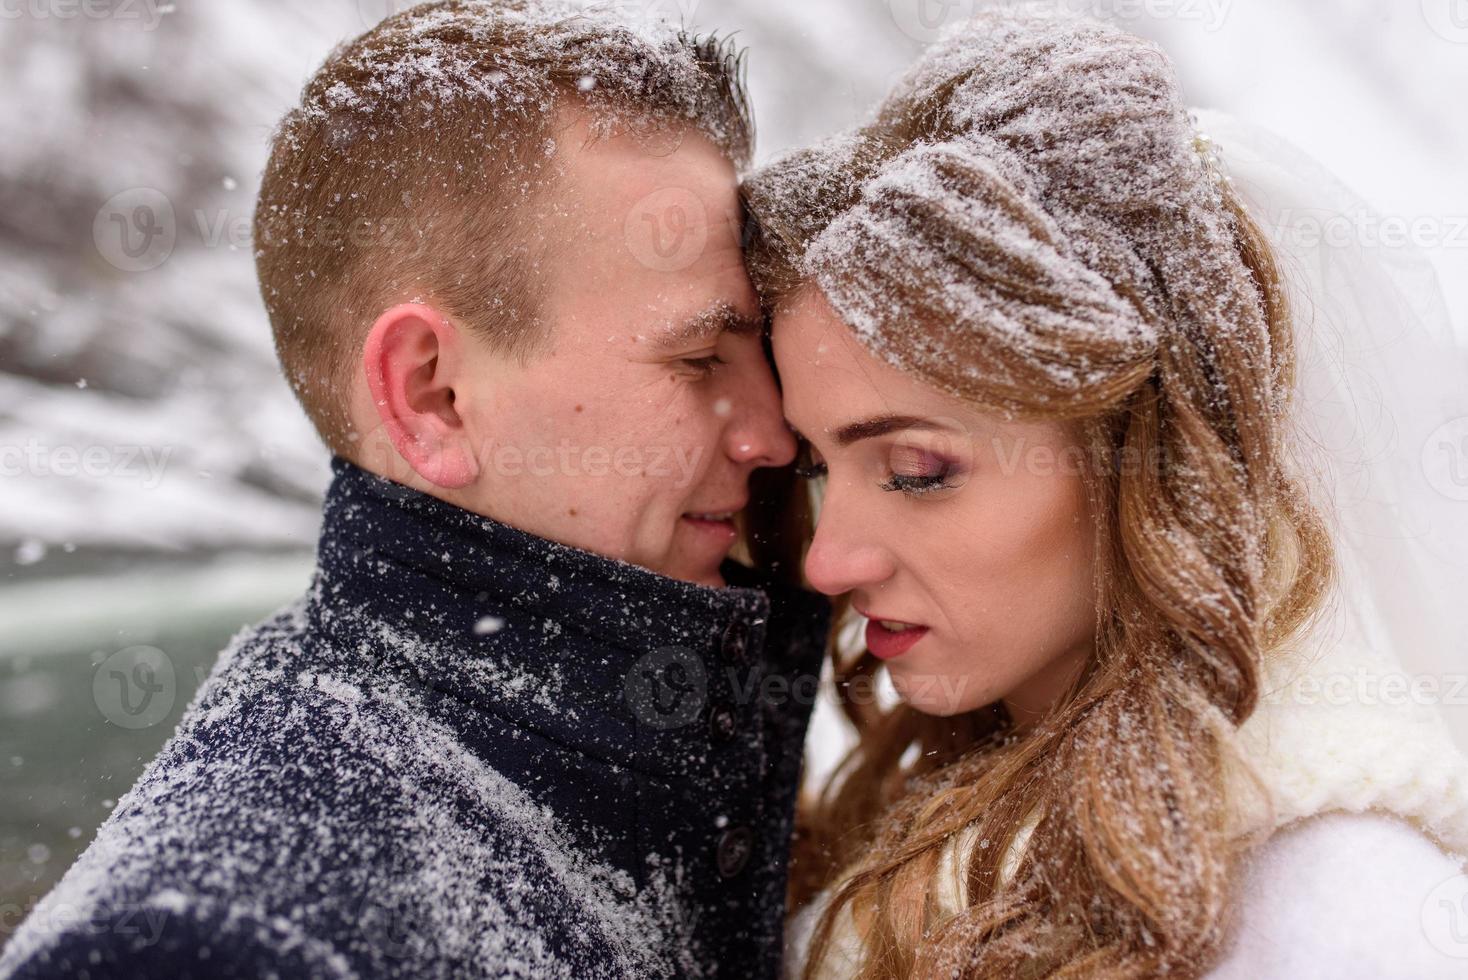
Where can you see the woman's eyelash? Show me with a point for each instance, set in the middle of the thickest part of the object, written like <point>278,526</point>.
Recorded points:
<point>896,483</point>
<point>917,485</point>
<point>810,471</point>
<point>806,466</point>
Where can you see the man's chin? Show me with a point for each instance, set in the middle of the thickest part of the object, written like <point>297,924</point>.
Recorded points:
<point>710,577</point>
<point>699,571</point>
<point>703,546</point>
<point>713,580</point>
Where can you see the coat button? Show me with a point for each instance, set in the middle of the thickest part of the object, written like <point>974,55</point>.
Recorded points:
<point>722,724</point>
<point>735,847</point>
<point>736,641</point>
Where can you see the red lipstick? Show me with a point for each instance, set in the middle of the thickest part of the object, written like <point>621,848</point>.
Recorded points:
<point>888,643</point>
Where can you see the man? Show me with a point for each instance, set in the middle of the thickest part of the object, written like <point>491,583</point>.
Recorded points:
<point>521,725</point>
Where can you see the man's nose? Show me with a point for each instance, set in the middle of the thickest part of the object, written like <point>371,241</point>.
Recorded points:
<point>757,433</point>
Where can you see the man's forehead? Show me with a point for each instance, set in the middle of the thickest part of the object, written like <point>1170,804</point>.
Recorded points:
<point>611,177</point>
<point>652,238</point>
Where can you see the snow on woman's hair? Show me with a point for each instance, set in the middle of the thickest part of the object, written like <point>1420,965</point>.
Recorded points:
<point>1029,224</point>
<point>1032,194</point>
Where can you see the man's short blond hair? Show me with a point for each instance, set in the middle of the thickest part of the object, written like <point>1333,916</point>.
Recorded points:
<point>405,170</point>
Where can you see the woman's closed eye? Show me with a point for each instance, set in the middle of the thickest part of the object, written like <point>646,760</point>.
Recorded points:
<point>916,471</point>
<point>911,471</point>
<point>916,485</point>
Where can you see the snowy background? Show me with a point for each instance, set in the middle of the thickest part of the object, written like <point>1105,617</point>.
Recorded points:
<point>158,486</point>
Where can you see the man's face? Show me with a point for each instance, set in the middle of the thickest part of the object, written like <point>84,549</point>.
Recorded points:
<point>634,433</point>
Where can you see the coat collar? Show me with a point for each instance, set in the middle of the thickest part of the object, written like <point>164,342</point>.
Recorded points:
<point>560,639</point>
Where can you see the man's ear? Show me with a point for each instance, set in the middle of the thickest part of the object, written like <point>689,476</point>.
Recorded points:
<point>413,357</point>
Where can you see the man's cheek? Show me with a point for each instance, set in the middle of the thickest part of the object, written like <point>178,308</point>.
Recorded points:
<point>690,464</point>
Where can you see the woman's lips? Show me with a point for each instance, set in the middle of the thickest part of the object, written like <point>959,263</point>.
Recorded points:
<point>888,643</point>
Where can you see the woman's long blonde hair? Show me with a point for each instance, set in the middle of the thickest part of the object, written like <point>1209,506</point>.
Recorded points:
<point>1038,173</point>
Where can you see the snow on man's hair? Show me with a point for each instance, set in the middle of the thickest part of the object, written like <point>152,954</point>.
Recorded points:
<point>406,168</point>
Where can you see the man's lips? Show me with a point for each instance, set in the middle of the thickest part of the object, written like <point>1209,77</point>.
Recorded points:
<point>725,513</point>
<point>888,638</point>
<point>718,521</point>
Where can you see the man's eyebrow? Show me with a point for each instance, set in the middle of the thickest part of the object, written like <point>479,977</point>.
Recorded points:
<point>706,326</point>
<point>876,426</point>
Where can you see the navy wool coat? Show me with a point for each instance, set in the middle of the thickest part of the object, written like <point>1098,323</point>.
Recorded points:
<point>466,752</point>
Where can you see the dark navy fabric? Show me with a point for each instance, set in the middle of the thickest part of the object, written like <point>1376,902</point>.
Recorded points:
<point>468,751</point>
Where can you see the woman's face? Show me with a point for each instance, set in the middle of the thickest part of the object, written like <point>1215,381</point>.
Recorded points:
<point>973,532</point>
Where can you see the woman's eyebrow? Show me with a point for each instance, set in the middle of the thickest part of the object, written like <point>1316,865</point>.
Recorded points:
<point>872,428</point>
<point>881,425</point>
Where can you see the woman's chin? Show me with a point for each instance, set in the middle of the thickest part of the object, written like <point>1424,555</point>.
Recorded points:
<point>938,695</point>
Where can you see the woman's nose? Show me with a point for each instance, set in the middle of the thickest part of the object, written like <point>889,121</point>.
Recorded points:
<point>847,552</point>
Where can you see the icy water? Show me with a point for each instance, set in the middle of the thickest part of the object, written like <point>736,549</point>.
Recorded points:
<point>96,669</point>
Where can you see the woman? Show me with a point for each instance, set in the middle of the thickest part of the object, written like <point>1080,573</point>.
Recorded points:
<point>1043,362</point>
